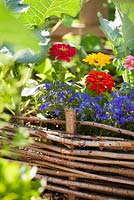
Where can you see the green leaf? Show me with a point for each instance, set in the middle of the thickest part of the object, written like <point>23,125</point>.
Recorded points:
<point>67,21</point>
<point>125,6</point>
<point>22,138</point>
<point>126,11</point>
<point>44,67</point>
<point>39,11</point>
<point>91,43</point>
<point>128,34</point>
<point>22,177</point>
<point>12,31</point>
<point>111,29</point>
<point>121,31</point>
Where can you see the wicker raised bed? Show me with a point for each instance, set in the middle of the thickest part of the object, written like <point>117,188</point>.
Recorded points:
<point>84,166</point>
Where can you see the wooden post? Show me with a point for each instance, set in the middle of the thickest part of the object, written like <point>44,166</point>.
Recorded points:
<point>70,115</point>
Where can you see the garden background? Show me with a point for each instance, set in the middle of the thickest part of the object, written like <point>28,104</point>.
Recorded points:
<point>66,91</point>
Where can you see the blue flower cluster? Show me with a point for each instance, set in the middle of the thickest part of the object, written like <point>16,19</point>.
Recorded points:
<point>85,105</point>
<point>117,110</point>
<point>54,98</point>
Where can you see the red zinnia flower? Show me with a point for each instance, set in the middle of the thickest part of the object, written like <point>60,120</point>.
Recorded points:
<point>62,51</point>
<point>99,81</point>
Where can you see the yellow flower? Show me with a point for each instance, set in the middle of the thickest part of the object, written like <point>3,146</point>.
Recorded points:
<point>97,59</point>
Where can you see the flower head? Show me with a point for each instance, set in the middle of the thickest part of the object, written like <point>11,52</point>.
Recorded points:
<point>62,51</point>
<point>97,59</point>
<point>99,81</point>
<point>129,62</point>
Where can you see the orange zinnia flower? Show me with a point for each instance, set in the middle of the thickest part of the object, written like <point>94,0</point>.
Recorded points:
<point>99,81</point>
<point>97,59</point>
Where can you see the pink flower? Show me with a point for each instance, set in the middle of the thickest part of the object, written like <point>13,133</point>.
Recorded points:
<point>129,62</point>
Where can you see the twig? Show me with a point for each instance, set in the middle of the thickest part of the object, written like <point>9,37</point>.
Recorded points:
<point>87,123</point>
<point>92,153</point>
<point>107,127</point>
<point>121,171</point>
<point>38,120</point>
<point>82,159</point>
<point>84,143</point>
<point>31,155</point>
<point>80,194</point>
<point>94,187</point>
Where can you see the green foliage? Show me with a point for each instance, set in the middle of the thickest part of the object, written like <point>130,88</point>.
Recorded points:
<point>91,43</point>
<point>22,137</point>
<point>16,182</point>
<point>12,31</point>
<point>12,78</point>
<point>67,21</point>
<point>111,9</point>
<point>75,70</point>
<point>15,70</point>
<point>120,31</point>
<point>125,6</point>
<point>44,70</point>
<point>125,9</point>
<point>113,34</point>
<point>39,11</point>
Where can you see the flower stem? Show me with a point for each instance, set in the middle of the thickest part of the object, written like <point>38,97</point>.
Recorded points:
<point>126,76</point>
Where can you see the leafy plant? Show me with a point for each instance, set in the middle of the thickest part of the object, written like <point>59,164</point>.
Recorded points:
<point>91,43</point>
<point>120,33</point>
<point>12,74</point>
<point>15,70</point>
<point>17,182</point>
<point>40,11</point>
<point>10,26</point>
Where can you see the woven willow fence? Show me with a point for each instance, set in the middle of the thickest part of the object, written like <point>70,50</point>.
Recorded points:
<point>83,166</point>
